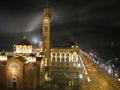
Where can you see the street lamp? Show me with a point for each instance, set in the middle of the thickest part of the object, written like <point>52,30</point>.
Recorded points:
<point>89,80</point>
<point>80,76</point>
<point>78,65</point>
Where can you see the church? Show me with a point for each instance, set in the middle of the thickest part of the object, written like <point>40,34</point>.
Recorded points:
<point>27,67</point>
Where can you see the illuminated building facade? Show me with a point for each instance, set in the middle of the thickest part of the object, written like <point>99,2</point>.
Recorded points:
<point>65,60</point>
<point>22,68</point>
<point>28,67</point>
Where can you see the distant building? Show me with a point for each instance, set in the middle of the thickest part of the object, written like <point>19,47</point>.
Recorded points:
<point>28,67</point>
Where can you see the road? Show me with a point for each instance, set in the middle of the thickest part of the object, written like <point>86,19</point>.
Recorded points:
<point>100,80</point>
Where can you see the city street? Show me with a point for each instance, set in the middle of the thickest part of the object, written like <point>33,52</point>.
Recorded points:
<point>100,79</point>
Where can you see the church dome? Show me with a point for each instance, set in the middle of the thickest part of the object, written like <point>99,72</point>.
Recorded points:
<point>23,41</point>
<point>22,47</point>
<point>3,53</point>
<point>3,56</point>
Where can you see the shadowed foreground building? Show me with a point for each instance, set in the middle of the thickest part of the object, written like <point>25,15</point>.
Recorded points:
<point>28,67</point>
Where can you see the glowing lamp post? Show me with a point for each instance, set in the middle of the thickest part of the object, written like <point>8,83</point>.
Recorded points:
<point>80,76</point>
<point>78,65</point>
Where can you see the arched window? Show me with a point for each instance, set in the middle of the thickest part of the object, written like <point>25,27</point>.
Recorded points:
<point>75,57</point>
<point>53,59</point>
<point>58,56</point>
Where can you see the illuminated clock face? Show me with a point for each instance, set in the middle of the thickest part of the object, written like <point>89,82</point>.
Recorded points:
<point>14,66</point>
<point>46,21</point>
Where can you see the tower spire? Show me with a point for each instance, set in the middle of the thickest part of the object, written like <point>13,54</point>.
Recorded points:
<point>47,12</point>
<point>46,37</point>
<point>24,36</point>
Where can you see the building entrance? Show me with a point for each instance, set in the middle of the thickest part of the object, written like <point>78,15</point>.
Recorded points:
<point>14,82</point>
<point>14,85</point>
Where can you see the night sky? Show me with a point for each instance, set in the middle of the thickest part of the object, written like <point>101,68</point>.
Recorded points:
<point>84,22</point>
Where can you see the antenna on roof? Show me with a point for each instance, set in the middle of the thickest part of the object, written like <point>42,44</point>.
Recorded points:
<point>24,36</point>
<point>3,51</point>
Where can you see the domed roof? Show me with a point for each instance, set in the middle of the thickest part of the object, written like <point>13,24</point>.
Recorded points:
<point>3,54</point>
<point>23,41</point>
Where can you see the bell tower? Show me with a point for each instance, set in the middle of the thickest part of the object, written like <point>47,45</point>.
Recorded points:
<point>46,37</point>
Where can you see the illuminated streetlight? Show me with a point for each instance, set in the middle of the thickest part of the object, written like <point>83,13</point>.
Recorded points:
<point>78,65</point>
<point>80,76</point>
<point>89,80</point>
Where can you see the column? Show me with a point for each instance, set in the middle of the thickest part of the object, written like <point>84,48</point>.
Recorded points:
<point>65,57</point>
<point>51,57</point>
<point>56,57</point>
<point>60,57</point>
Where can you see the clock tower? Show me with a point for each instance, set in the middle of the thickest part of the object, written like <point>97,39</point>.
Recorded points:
<point>46,37</point>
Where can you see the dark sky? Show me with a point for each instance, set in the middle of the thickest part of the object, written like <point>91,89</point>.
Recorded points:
<point>84,22</point>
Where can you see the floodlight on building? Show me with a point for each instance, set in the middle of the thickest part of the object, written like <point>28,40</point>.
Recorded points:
<point>14,68</point>
<point>3,56</point>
